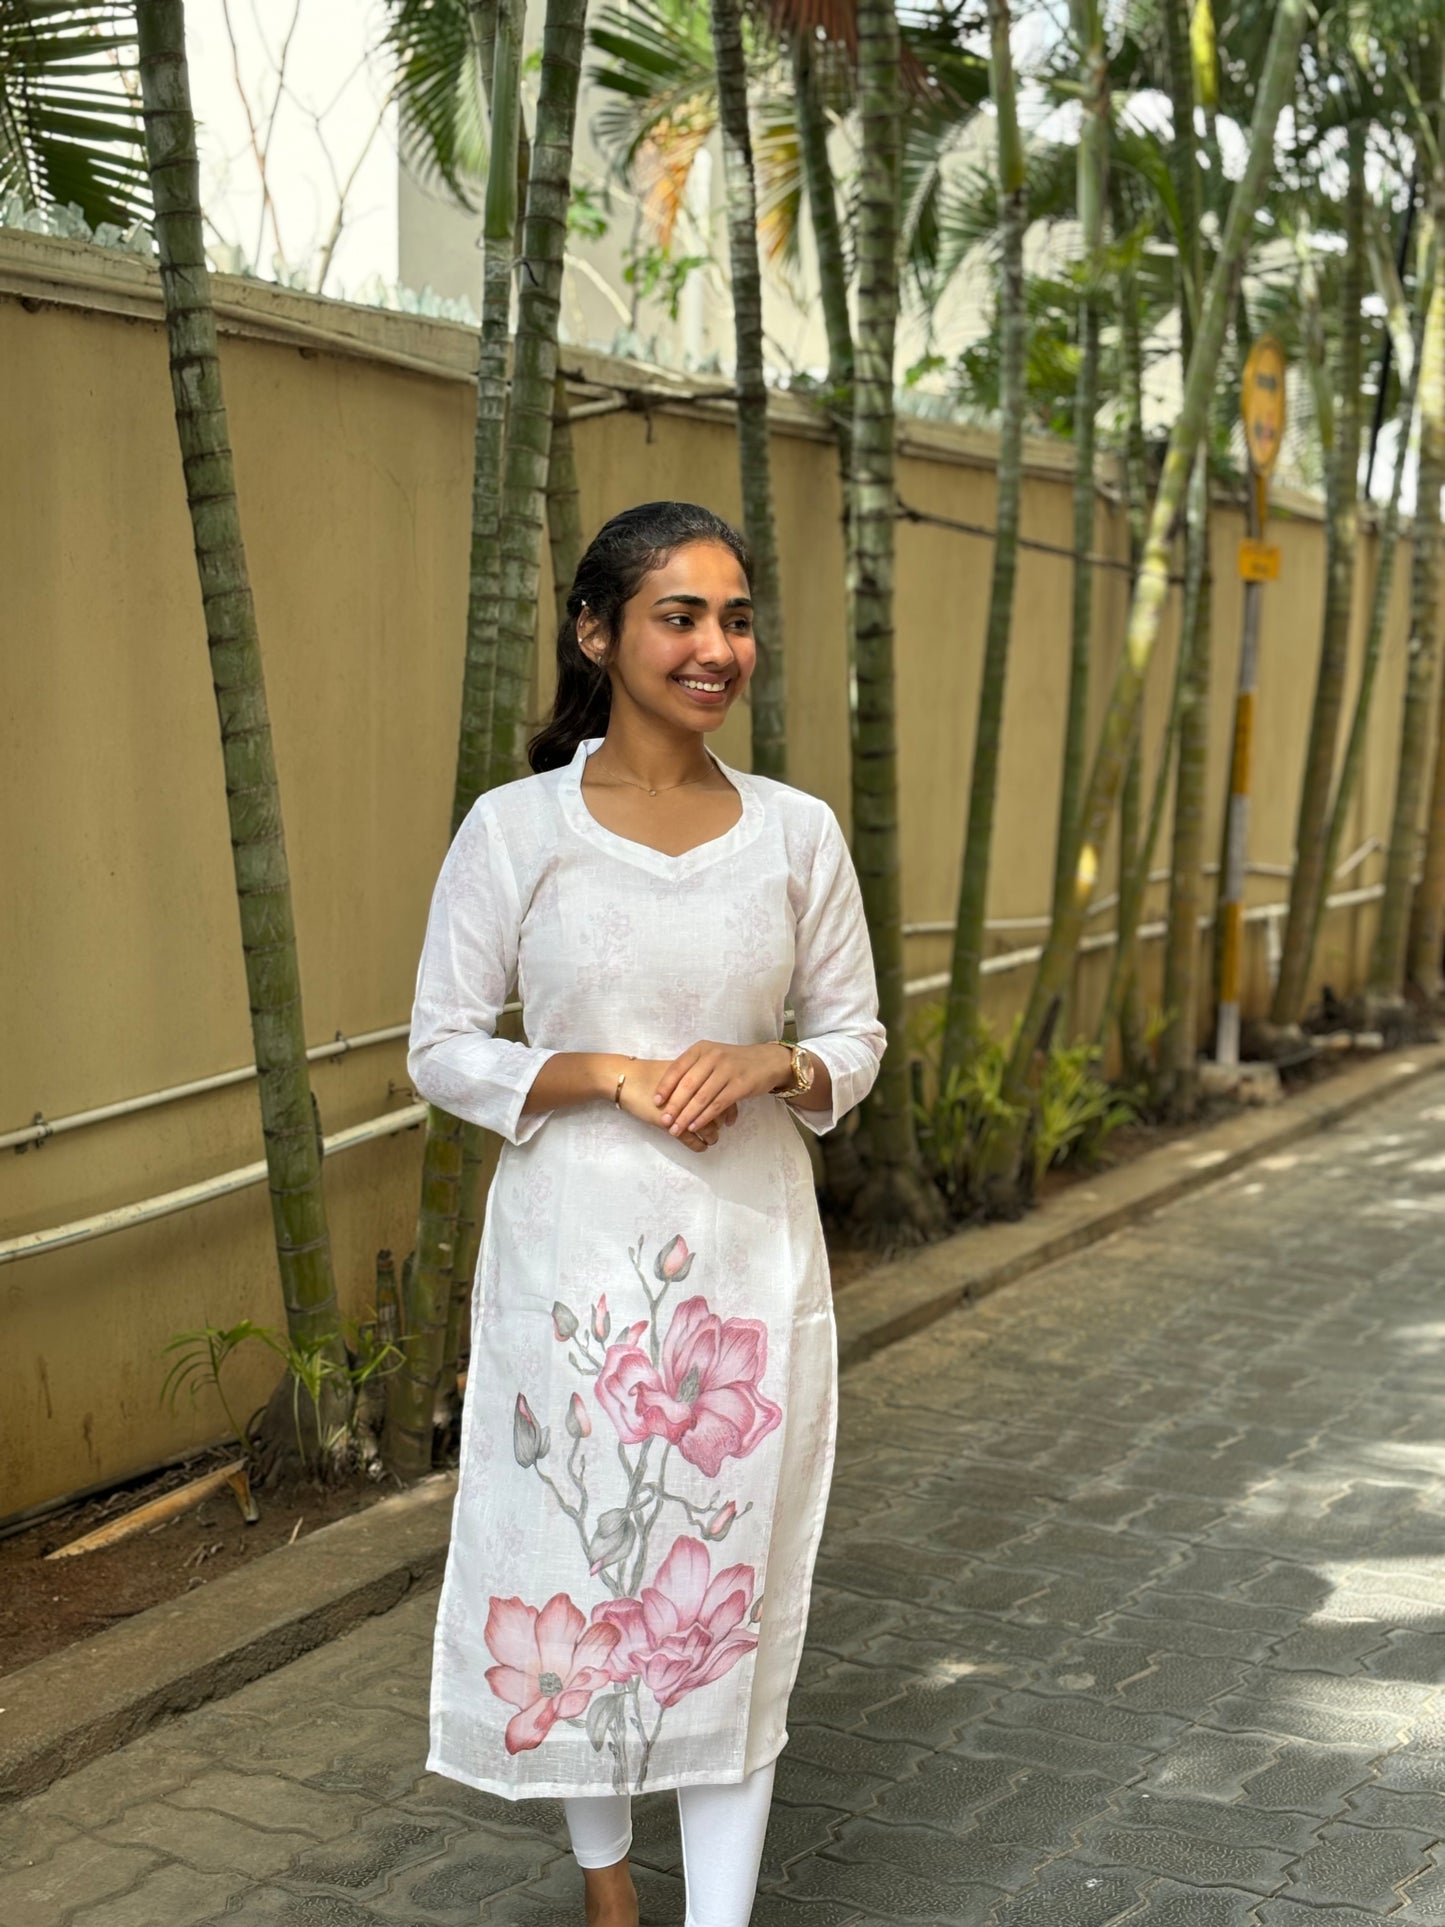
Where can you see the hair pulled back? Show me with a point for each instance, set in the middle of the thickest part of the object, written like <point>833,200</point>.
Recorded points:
<point>622,554</point>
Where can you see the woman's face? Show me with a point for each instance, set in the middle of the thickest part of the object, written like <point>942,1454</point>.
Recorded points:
<point>686,647</point>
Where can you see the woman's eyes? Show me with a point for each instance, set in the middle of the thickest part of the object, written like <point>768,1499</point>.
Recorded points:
<point>743,624</point>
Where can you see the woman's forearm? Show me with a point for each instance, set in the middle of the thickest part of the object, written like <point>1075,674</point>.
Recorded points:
<point>819,1094</point>
<point>575,1077</point>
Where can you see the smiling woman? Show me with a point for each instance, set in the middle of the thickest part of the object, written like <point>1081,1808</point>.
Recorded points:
<point>653,1365</point>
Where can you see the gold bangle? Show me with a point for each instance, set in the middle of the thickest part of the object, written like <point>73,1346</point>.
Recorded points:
<point>617,1094</point>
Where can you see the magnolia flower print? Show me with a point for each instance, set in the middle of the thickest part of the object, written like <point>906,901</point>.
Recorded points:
<point>550,1663</point>
<point>688,1627</point>
<point>693,1382</point>
<point>702,1396</point>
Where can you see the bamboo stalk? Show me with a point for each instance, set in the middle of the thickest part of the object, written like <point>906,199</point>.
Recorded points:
<point>170,1505</point>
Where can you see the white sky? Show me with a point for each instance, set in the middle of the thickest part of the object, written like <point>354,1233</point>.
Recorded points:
<point>331,118</point>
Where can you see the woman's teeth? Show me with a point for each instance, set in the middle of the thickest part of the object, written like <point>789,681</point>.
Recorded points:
<point>693,682</point>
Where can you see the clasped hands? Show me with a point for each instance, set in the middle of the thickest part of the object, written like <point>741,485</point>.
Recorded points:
<point>693,1095</point>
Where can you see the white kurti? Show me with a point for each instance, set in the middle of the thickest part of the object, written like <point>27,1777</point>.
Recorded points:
<point>648,1430</point>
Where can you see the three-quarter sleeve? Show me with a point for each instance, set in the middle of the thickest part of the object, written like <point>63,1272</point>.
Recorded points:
<point>468,965</point>
<point>834,993</point>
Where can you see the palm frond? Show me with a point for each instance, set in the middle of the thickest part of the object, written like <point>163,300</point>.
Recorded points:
<point>70,132</point>
<point>662,82</point>
<point>434,46</point>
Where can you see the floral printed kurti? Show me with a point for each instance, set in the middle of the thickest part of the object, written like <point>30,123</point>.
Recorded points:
<point>649,1421</point>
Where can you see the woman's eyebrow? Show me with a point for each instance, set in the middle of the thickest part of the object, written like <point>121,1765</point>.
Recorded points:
<point>700,601</point>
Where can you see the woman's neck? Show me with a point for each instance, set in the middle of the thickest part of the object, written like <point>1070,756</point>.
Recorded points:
<point>655,756</point>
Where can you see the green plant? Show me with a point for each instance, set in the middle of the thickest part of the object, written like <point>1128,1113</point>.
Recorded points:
<point>203,1353</point>
<point>962,1117</point>
<point>1077,1109</point>
<point>652,270</point>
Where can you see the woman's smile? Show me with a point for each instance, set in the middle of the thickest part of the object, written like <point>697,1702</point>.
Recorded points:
<point>708,690</point>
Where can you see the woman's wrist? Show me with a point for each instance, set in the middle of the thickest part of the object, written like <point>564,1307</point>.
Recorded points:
<point>781,1055</point>
<point>607,1066</point>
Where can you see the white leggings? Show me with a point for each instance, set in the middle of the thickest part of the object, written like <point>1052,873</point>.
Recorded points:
<point>722,1842</point>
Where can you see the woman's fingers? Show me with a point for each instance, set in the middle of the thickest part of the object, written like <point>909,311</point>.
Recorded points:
<point>668,1082</point>
<point>686,1087</point>
<point>700,1108</point>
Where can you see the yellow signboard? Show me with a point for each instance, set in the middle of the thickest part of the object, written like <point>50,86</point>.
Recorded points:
<point>1262,403</point>
<point>1258,561</point>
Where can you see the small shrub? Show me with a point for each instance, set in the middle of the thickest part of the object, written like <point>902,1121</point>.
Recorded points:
<point>203,1353</point>
<point>960,1119</point>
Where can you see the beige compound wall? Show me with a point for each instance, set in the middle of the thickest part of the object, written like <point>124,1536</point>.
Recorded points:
<point>352,432</point>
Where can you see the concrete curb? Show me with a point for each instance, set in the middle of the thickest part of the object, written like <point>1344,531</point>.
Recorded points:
<point>909,1293</point>
<point>93,1697</point>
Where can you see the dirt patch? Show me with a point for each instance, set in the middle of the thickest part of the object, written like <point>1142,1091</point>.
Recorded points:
<point>46,1605</point>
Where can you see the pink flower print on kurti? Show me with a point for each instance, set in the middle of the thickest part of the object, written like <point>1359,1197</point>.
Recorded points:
<point>702,1397</point>
<point>551,1662</point>
<point>687,1378</point>
<point>688,1627</point>
<point>673,1262</point>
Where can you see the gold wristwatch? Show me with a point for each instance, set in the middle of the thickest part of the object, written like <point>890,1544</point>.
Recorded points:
<point>802,1080</point>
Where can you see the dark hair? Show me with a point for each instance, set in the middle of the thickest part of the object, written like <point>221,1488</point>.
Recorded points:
<point>622,553</point>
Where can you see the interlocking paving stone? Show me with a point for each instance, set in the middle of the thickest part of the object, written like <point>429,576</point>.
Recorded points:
<point>1185,1856</point>
<point>1424,1896</point>
<point>885,1892</point>
<point>1310,1779</point>
<point>1070,1894</point>
<point>172,1896</point>
<point>1170,1905</point>
<point>1236,1824</point>
<point>74,1873</point>
<point>367,1858</point>
<point>260,1797</point>
<point>1363,1866</point>
<point>213,1842</point>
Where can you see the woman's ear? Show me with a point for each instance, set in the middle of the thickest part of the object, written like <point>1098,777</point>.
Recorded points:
<point>589,639</point>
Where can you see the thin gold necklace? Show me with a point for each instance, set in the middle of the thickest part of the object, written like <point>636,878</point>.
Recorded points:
<point>688,782</point>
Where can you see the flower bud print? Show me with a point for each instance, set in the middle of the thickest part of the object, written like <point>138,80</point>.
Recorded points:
<point>601,1320</point>
<point>564,1322</point>
<point>529,1441</point>
<point>612,1540</point>
<point>578,1423</point>
<point>719,1525</point>
<point>673,1262</point>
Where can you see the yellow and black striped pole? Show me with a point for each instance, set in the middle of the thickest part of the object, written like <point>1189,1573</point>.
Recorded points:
<point>1262,404</point>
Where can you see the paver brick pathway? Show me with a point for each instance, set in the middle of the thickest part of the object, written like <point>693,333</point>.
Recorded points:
<point>1131,1609</point>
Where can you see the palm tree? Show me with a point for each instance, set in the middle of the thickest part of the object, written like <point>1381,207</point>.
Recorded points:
<point>828,243</point>
<point>67,136</point>
<point>564,502</point>
<point>769,681</point>
<point>437,50</point>
<point>1178,1041</point>
<point>962,1018</point>
<point>534,375</point>
<point>1310,880</point>
<point>1121,720</point>
<point>895,1200</point>
<point>268,937</point>
<point>1387,968</point>
<point>1407,357</point>
<point>1092,195</point>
